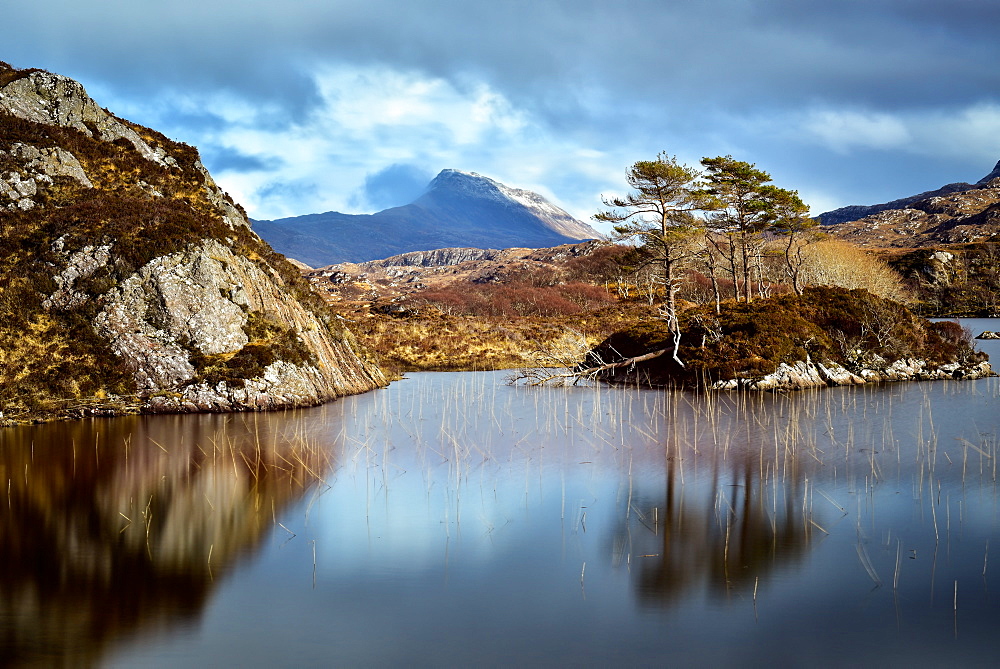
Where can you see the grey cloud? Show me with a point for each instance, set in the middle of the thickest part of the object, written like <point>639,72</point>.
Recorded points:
<point>728,52</point>
<point>218,159</point>
<point>395,186</point>
<point>648,74</point>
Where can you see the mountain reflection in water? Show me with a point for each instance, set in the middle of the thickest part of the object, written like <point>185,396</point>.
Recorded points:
<point>116,527</point>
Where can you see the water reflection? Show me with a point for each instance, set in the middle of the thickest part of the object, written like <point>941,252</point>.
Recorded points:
<point>115,527</point>
<point>742,511</point>
<point>725,541</point>
<point>751,482</point>
<point>470,523</point>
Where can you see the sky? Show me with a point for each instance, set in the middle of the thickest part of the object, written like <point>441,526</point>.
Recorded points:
<point>307,106</point>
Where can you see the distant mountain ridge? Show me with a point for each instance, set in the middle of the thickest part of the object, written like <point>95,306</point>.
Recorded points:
<point>458,209</point>
<point>953,214</point>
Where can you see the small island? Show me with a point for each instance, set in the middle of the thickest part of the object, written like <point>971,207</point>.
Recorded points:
<point>827,336</point>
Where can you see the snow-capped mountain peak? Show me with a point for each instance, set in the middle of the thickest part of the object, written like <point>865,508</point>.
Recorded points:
<point>456,183</point>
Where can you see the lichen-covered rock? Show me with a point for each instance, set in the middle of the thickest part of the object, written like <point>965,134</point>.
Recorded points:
<point>36,169</point>
<point>52,99</point>
<point>199,302</point>
<point>809,374</point>
<point>132,282</point>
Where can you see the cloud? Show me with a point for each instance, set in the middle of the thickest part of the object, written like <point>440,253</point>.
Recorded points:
<point>374,139</point>
<point>972,132</point>
<point>843,131</point>
<point>222,159</point>
<point>965,132</point>
<point>539,55</point>
<point>394,186</point>
<point>836,99</point>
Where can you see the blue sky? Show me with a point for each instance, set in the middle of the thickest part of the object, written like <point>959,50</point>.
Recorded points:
<point>316,105</point>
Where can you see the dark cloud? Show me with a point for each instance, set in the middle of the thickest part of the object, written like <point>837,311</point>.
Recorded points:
<point>645,74</point>
<point>395,186</point>
<point>218,159</point>
<point>726,52</point>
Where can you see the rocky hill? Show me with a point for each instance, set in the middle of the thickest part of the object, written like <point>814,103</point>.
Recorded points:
<point>130,282</point>
<point>459,209</point>
<point>390,279</point>
<point>957,213</point>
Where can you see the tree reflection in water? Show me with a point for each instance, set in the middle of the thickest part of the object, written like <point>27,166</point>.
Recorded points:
<point>483,523</point>
<point>116,528</point>
<point>726,540</point>
<point>746,513</point>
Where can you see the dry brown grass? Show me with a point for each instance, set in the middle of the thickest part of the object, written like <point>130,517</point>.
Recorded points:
<point>434,341</point>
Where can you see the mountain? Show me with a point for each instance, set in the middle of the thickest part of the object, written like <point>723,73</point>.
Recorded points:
<point>953,214</point>
<point>458,209</point>
<point>130,282</point>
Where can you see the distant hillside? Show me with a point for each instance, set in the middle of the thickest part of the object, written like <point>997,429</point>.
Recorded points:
<point>408,274</point>
<point>957,213</point>
<point>459,209</point>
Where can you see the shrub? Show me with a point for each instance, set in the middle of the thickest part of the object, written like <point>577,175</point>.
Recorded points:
<point>516,299</point>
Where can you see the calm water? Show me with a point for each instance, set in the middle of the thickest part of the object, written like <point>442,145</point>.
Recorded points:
<point>453,520</point>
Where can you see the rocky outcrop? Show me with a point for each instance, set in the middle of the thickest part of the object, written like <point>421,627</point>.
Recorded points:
<point>988,334</point>
<point>39,167</point>
<point>132,282</point>
<point>51,99</point>
<point>434,258</point>
<point>810,374</point>
<point>201,301</point>
<point>48,99</point>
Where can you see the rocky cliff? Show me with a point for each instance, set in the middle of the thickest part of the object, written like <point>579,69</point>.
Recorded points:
<point>130,282</point>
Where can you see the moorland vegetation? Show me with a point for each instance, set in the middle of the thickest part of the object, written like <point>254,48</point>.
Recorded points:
<point>720,269</point>
<point>715,264</point>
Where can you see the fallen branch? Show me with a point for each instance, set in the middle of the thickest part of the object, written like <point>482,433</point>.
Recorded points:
<point>539,376</point>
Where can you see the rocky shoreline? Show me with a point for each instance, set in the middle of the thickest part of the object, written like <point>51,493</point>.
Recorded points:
<point>809,374</point>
